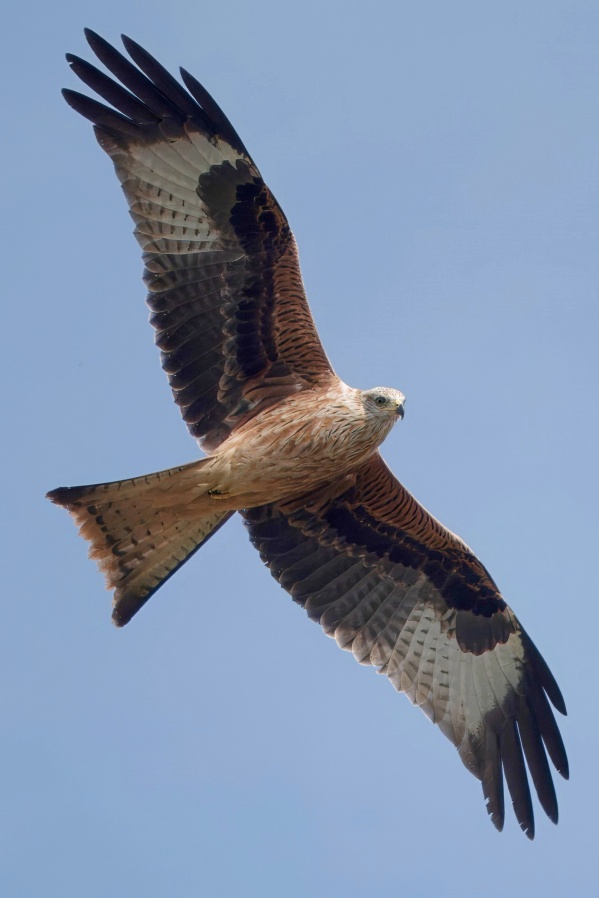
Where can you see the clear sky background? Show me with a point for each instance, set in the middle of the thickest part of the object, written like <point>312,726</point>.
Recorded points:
<point>438,164</point>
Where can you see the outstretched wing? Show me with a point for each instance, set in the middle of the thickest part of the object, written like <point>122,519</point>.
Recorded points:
<point>221,265</point>
<point>392,585</point>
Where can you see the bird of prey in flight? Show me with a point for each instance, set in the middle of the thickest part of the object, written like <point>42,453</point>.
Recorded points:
<point>291,447</point>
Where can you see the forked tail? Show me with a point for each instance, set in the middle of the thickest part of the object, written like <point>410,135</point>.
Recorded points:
<point>142,530</point>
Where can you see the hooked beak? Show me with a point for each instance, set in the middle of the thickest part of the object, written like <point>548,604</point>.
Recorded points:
<point>400,409</point>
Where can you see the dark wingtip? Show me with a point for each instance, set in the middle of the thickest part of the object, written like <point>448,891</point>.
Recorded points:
<point>213,110</point>
<point>127,41</point>
<point>118,619</point>
<point>97,42</point>
<point>133,48</point>
<point>546,678</point>
<point>62,495</point>
<point>560,705</point>
<point>127,604</point>
<point>553,691</point>
<point>496,819</point>
<point>79,102</point>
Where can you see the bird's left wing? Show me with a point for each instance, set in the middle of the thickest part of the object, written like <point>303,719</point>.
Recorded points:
<point>392,585</point>
<point>225,287</point>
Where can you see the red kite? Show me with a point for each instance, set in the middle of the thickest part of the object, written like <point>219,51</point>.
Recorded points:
<point>291,447</point>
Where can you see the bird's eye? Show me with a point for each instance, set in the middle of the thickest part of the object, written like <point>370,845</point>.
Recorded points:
<point>380,400</point>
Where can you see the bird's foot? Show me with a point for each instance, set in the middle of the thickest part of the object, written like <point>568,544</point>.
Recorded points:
<point>218,494</point>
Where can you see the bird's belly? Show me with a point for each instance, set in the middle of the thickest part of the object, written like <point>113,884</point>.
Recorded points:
<point>268,465</point>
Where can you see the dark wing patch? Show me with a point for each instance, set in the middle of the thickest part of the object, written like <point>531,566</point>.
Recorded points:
<point>390,584</point>
<point>221,265</point>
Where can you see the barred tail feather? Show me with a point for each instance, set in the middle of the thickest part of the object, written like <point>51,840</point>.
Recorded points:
<point>142,530</point>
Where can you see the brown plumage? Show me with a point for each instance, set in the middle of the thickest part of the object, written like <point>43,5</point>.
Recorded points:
<point>291,447</point>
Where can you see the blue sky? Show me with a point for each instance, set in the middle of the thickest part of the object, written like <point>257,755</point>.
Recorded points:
<point>438,164</point>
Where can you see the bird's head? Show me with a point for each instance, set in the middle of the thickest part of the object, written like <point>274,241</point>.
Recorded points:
<point>385,401</point>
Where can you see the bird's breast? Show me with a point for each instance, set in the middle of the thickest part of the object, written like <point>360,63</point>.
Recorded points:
<point>291,448</point>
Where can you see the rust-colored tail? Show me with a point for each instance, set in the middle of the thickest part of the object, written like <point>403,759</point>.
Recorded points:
<point>142,530</point>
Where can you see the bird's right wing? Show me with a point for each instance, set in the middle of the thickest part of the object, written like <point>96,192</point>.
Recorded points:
<point>222,270</point>
<point>389,583</point>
